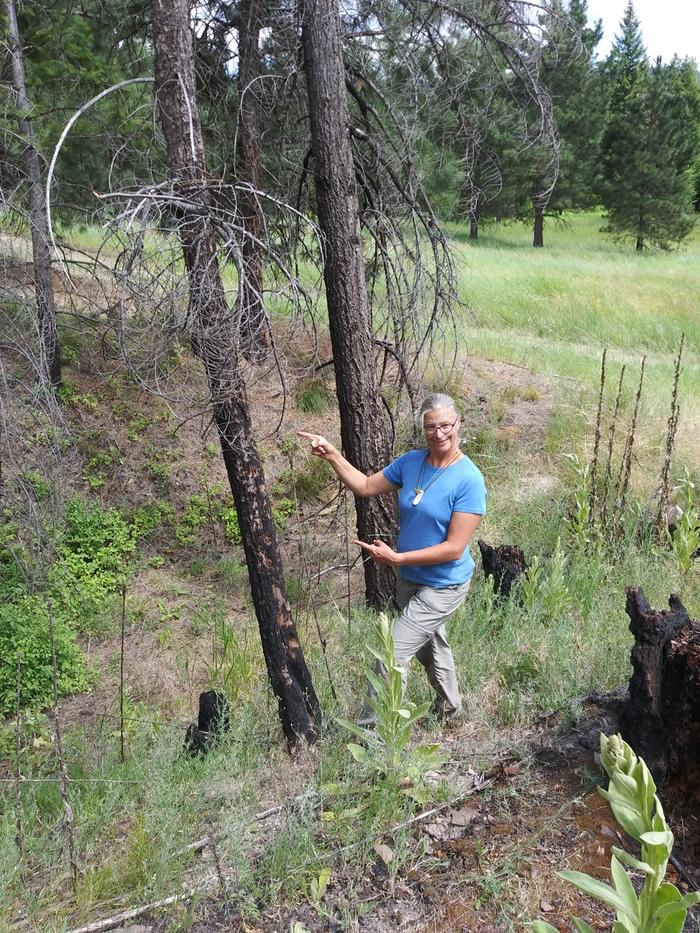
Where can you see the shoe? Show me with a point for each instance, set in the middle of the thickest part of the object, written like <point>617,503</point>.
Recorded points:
<point>447,716</point>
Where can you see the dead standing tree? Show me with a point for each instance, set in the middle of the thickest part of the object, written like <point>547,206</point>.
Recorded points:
<point>254,328</point>
<point>213,341</point>
<point>362,428</point>
<point>49,351</point>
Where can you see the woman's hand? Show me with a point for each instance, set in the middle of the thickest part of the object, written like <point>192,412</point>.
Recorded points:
<point>381,552</point>
<point>320,446</point>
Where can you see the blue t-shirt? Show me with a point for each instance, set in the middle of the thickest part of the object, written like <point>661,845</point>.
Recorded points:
<point>459,488</point>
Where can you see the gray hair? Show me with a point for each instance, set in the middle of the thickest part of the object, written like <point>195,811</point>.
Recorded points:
<point>431,402</point>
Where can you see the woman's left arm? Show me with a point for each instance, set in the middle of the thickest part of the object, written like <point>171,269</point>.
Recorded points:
<point>462,526</point>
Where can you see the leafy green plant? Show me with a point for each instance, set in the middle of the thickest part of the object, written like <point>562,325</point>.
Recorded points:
<point>530,583</point>
<point>579,517</point>
<point>146,518</point>
<point>40,486</point>
<point>554,592</point>
<point>161,473</point>
<point>137,426</point>
<point>98,468</point>
<point>386,749</point>
<point>70,396</point>
<point>232,528</point>
<point>282,510</point>
<point>685,537</point>
<point>319,885</point>
<point>192,520</point>
<point>631,793</point>
<point>24,633</point>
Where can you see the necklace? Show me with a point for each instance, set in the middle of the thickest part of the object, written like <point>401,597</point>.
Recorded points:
<point>421,490</point>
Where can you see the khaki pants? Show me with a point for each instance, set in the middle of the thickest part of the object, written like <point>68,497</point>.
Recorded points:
<point>420,632</point>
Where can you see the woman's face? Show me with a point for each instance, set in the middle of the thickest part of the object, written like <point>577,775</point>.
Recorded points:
<point>441,426</point>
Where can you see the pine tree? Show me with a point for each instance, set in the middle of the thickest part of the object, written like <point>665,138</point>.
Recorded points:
<point>649,144</point>
<point>577,102</point>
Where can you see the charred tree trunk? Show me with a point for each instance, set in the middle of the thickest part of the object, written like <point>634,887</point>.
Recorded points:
<point>661,718</point>
<point>214,342</point>
<point>254,332</point>
<point>538,227</point>
<point>362,427</point>
<point>49,350</point>
<point>473,225</point>
<point>504,564</point>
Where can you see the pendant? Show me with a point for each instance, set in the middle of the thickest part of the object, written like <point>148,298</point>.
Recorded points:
<point>418,496</point>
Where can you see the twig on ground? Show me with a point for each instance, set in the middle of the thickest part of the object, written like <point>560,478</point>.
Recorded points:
<point>116,919</point>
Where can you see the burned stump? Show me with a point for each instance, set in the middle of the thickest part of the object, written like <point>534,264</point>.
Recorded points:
<point>661,718</point>
<point>213,719</point>
<point>504,564</point>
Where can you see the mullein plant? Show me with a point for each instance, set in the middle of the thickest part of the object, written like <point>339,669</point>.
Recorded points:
<point>385,749</point>
<point>659,907</point>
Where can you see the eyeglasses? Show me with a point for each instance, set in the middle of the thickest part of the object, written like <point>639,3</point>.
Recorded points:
<point>445,427</point>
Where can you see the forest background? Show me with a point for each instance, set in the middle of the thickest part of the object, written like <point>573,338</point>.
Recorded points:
<point>183,304</point>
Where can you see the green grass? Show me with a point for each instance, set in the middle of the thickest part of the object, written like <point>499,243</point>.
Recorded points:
<point>556,308</point>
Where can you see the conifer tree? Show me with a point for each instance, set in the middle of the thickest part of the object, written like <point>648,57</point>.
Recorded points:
<point>649,144</point>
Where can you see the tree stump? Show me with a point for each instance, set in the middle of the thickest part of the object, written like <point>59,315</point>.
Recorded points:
<point>504,564</point>
<point>213,719</point>
<point>661,718</point>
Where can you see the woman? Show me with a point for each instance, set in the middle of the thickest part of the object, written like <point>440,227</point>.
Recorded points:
<point>441,500</point>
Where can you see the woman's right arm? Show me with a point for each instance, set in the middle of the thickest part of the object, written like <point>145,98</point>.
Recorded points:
<point>350,476</point>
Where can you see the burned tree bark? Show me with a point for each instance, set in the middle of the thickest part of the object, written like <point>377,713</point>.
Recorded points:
<point>213,340</point>
<point>254,333</point>
<point>504,564</point>
<point>49,350</point>
<point>362,428</point>
<point>661,717</point>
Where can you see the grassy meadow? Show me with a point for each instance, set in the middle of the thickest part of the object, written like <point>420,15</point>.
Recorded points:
<point>531,340</point>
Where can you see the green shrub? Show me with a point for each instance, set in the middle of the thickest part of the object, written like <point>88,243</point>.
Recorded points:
<point>41,488</point>
<point>98,468</point>
<point>232,528</point>
<point>192,520</point>
<point>70,396</point>
<point>160,473</point>
<point>282,511</point>
<point>96,551</point>
<point>146,518</point>
<point>137,426</point>
<point>24,632</point>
